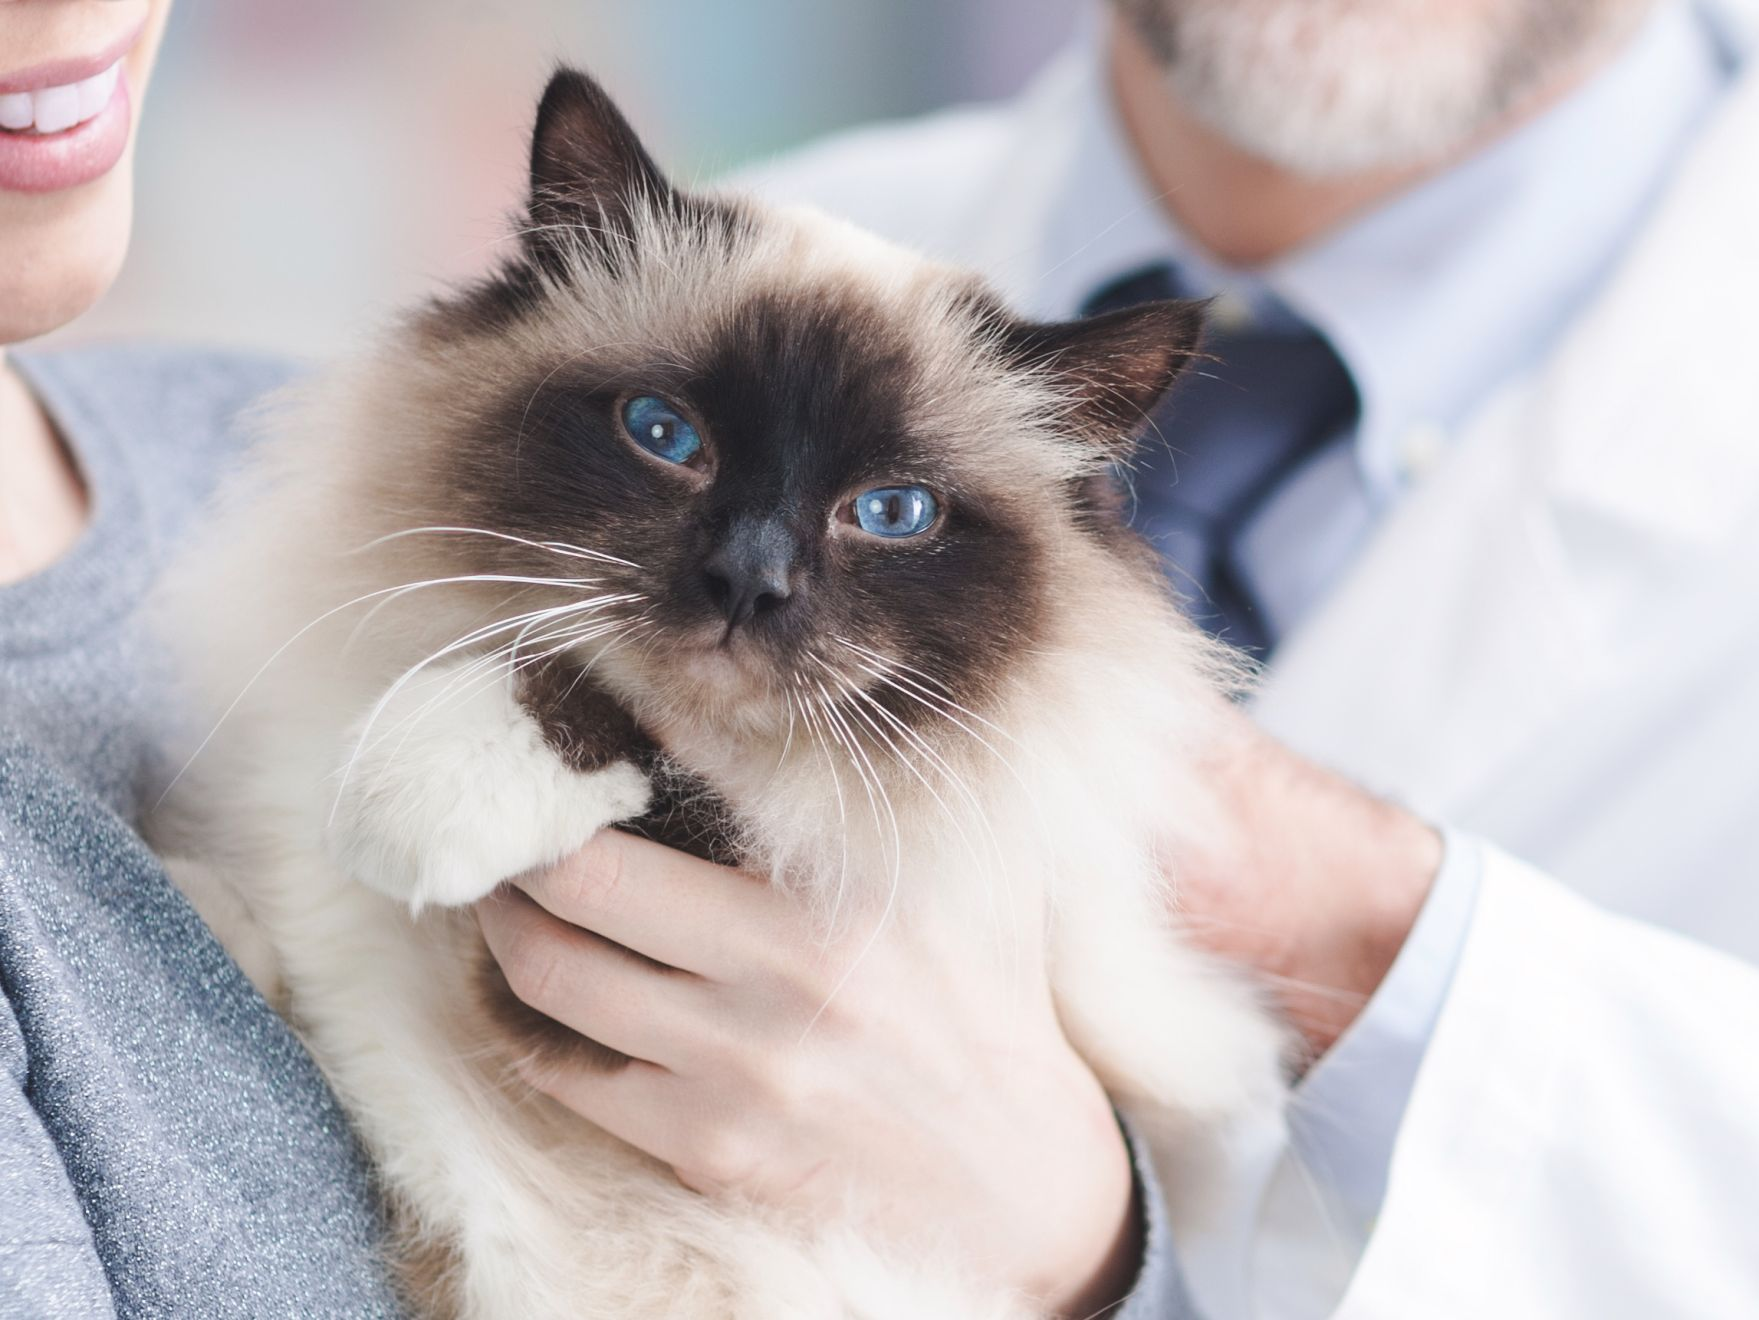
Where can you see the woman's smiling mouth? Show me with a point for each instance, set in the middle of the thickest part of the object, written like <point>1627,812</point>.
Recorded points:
<point>65,123</point>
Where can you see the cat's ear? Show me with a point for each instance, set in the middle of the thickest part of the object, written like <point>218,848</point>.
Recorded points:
<point>590,175</point>
<point>1114,368</point>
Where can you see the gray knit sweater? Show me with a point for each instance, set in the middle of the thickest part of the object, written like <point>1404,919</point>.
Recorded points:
<point>167,1147</point>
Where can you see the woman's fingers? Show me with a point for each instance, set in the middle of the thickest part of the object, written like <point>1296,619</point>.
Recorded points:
<point>665,905</point>
<point>587,983</point>
<point>657,1111</point>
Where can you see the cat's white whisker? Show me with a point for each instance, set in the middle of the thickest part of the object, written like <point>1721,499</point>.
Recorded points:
<point>554,547</point>
<point>834,711</point>
<point>366,743</point>
<point>788,738</point>
<point>830,761</point>
<point>850,741</point>
<point>917,678</point>
<point>451,648</point>
<point>394,591</point>
<point>497,666</point>
<point>635,623</point>
<point>940,708</point>
<point>987,862</point>
<point>506,659</point>
<point>984,861</point>
<point>863,768</point>
<point>638,624</point>
<point>914,738</point>
<point>939,705</point>
<point>568,584</point>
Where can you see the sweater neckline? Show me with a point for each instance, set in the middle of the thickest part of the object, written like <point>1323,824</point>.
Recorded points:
<point>108,569</point>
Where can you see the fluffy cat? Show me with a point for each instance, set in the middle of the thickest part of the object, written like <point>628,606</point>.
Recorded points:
<point>745,529</point>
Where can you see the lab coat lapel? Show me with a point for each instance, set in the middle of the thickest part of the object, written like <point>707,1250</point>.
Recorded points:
<point>1532,569</point>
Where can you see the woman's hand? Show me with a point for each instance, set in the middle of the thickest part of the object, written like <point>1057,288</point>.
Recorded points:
<point>900,1070</point>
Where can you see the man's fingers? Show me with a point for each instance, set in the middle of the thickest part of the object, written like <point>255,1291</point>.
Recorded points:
<point>585,982</point>
<point>663,904</point>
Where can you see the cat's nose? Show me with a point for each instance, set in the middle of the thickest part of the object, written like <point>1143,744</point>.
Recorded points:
<point>750,574</point>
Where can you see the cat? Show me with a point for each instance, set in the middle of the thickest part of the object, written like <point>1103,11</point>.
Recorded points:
<point>742,528</point>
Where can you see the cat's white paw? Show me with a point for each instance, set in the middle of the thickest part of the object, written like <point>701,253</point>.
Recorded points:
<point>448,787</point>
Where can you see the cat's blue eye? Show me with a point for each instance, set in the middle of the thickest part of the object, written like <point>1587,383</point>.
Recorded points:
<point>660,429</point>
<point>895,511</point>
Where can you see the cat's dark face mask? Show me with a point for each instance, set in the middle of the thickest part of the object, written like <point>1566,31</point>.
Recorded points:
<point>805,485</point>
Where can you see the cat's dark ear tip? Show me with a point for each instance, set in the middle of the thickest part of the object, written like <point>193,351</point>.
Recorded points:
<point>1181,320</point>
<point>568,85</point>
<point>589,173</point>
<point>1115,365</point>
<point>569,94</point>
<point>583,150</point>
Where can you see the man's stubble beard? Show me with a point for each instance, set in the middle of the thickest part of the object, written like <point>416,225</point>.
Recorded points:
<point>1327,88</point>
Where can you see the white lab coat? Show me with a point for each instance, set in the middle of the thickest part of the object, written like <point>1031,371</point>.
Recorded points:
<point>1553,642</point>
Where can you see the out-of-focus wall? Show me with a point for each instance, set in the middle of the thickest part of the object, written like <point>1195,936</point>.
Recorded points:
<point>306,163</point>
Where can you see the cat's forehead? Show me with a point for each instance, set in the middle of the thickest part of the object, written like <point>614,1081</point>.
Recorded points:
<point>689,276</point>
<point>798,313</point>
<point>835,248</point>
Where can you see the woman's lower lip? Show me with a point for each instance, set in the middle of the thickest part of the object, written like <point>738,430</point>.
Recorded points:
<point>51,162</point>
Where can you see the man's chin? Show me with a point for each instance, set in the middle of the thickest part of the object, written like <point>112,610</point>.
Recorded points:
<point>1330,89</point>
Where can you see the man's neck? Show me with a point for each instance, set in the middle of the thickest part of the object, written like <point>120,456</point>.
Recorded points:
<point>1242,209</point>
<point>43,503</point>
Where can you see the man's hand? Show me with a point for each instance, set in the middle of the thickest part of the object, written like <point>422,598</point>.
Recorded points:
<point>1309,881</point>
<point>906,1071</point>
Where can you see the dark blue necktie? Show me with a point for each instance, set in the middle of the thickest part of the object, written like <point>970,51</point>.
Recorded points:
<point>1234,428</point>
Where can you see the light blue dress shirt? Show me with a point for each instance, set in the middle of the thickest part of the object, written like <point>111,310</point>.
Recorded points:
<point>1434,300</point>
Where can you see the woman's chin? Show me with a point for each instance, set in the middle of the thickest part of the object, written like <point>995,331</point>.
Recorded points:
<point>73,244</point>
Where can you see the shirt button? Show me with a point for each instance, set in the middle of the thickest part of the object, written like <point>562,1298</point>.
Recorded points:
<point>1421,449</point>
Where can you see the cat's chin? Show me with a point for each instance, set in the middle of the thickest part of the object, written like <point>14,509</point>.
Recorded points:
<point>729,672</point>
<point>731,688</point>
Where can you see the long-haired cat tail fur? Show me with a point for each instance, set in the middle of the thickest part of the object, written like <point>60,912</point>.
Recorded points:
<point>742,528</point>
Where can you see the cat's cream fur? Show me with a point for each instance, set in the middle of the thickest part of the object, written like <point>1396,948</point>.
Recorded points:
<point>354,812</point>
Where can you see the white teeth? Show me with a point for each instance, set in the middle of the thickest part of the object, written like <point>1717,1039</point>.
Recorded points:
<point>95,93</point>
<point>57,109</point>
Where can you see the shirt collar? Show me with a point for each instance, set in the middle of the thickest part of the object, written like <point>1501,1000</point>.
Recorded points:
<point>1504,248</point>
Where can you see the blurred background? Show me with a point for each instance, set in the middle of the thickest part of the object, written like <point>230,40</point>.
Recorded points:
<point>306,163</point>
